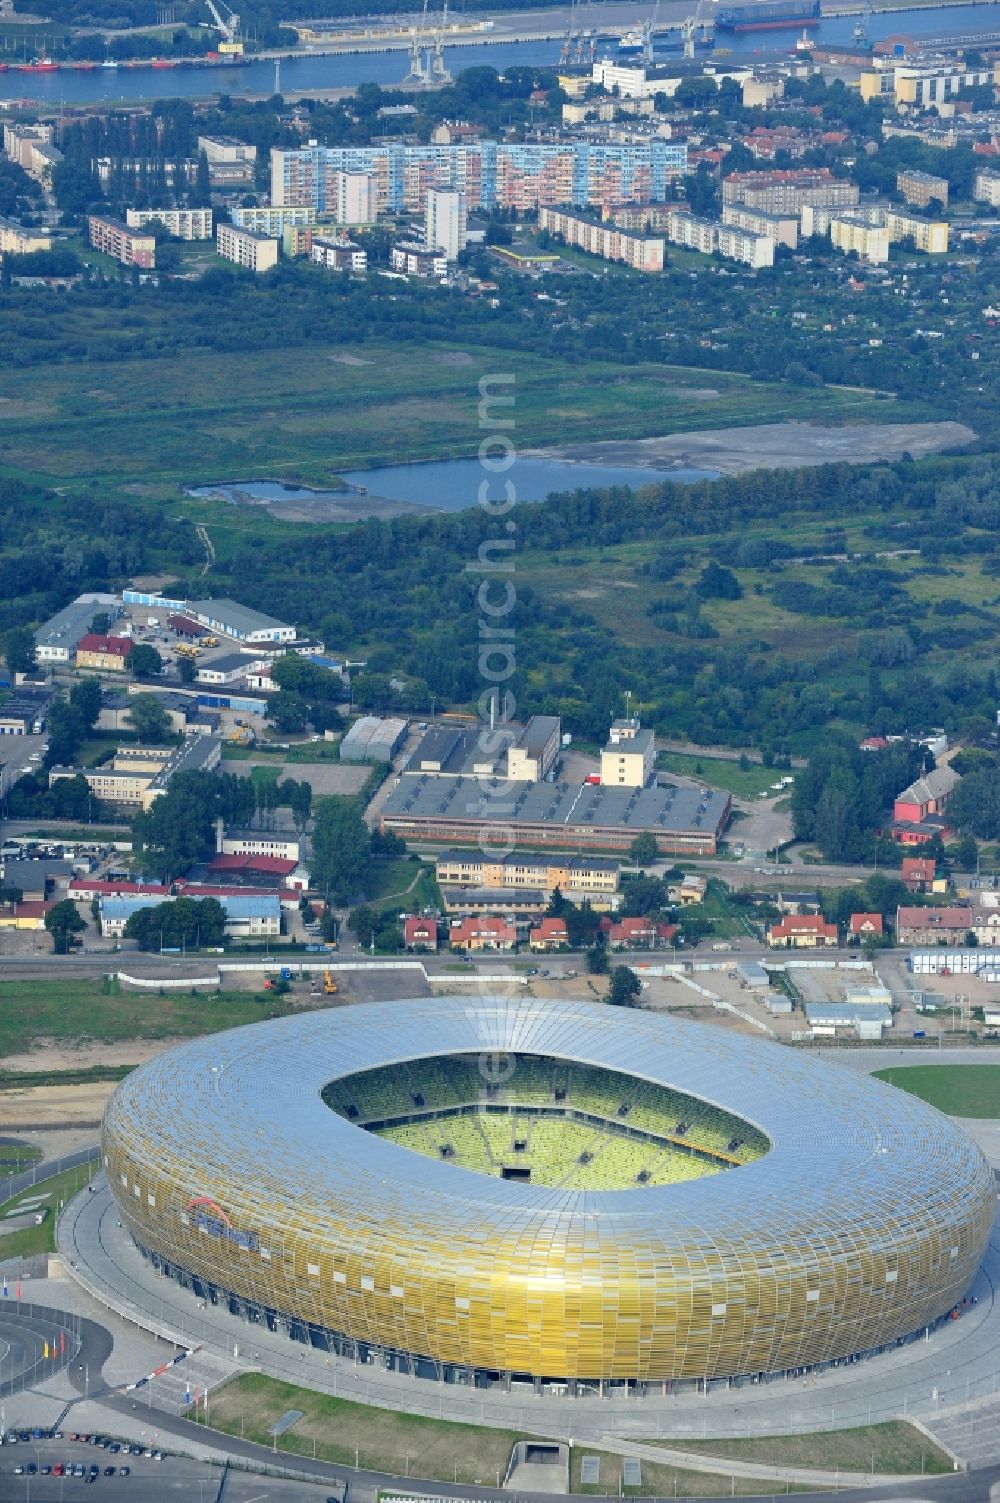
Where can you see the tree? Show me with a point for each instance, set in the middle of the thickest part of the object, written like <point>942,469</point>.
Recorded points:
<point>178,828</point>
<point>288,710</point>
<point>341,850</point>
<point>187,668</point>
<point>597,959</point>
<point>625,987</point>
<point>86,697</point>
<point>67,729</point>
<point>643,849</point>
<point>149,719</point>
<point>966,854</point>
<point>63,921</point>
<point>144,661</point>
<point>19,650</point>
<point>179,923</point>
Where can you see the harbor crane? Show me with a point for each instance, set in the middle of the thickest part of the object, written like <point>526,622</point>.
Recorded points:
<point>226,20</point>
<point>417,72</point>
<point>438,73</point>
<point>694,23</point>
<point>861,34</point>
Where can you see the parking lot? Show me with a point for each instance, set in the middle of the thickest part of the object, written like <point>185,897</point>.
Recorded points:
<point>45,1469</point>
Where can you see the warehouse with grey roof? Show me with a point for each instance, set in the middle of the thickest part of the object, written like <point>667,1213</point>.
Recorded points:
<point>561,816</point>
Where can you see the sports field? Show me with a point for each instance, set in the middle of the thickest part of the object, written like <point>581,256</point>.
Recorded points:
<point>959,1090</point>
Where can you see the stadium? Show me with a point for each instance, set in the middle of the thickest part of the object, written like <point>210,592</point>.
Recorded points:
<point>545,1195</point>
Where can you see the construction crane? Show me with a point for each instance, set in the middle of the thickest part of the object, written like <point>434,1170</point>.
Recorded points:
<point>690,27</point>
<point>227,22</point>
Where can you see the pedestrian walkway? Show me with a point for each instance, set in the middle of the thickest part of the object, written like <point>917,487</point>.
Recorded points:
<point>697,1461</point>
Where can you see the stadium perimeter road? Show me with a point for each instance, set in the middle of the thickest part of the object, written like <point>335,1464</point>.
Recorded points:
<point>954,1365</point>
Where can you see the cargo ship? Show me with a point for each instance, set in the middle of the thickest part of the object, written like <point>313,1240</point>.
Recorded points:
<point>768,15</point>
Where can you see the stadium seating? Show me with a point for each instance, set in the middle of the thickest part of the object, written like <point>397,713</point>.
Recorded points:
<point>452,1108</point>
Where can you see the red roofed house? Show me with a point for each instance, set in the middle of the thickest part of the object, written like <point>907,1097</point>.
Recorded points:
<point>84,889</point>
<point>865,924</point>
<point>873,743</point>
<point>919,872</point>
<point>932,926</point>
<point>638,934</point>
<point>420,933</point>
<point>257,869</point>
<point>109,653</point>
<point>802,931</point>
<point>550,934</point>
<point>29,914</point>
<point>486,933</point>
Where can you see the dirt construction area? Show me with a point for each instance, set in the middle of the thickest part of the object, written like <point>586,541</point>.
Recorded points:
<point>768,446</point>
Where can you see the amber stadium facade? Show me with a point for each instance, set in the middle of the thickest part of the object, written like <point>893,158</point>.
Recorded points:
<point>861,1223</point>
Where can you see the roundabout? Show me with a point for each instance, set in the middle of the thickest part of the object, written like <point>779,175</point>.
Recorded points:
<point>743,1213</point>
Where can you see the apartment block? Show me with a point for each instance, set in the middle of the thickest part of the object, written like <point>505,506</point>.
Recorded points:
<point>30,146</point>
<point>987,189</point>
<point>783,229</point>
<point>16,240</point>
<point>446,221</point>
<point>856,232</point>
<point>297,240</point>
<point>415,260</point>
<point>929,235</point>
<point>267,219</point>
<point>355,198</point>
<point>784,192</point>
<point>490,174</point>
<point>130,247</point>
<point>186,224</point>
<point>710,235</point>
<point>918,188</point>
<point>256,253</point>
<point>655,217</point>
<point>921,87</point>
<point>338,255</point>
<point>611,243</point>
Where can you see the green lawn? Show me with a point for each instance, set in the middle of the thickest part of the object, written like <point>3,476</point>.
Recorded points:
<point>147,428</point>
<point>959,1090</point>
<point>719,772</point>
<point>398,880</point>
<point>893,1447</point>
<point>88,1012</point>
<point>662,1481</point>
<point>341,1431</point>
<point>50,1194</point>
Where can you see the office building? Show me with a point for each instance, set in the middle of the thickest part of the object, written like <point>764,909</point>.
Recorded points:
<point>629,757</point>
<point>256,253</point>
<point>56,641</point>
<point>531,757</point>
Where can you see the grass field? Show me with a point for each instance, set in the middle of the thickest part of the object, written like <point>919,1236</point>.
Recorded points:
<point>382,1440</point>
<point>434,1450</point>
<point>151,427</point>
<point>56,1190</point>
<point>893,1447</point>
<point>84,1011</point>
<point>393,879</point>
<point>959,1090</point>
<point>720,772</point>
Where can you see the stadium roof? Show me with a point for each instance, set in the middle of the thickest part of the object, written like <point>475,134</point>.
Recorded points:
<point>706,1276</point>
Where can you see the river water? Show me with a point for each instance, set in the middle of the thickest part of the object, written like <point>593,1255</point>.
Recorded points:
<point>387,68</point>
